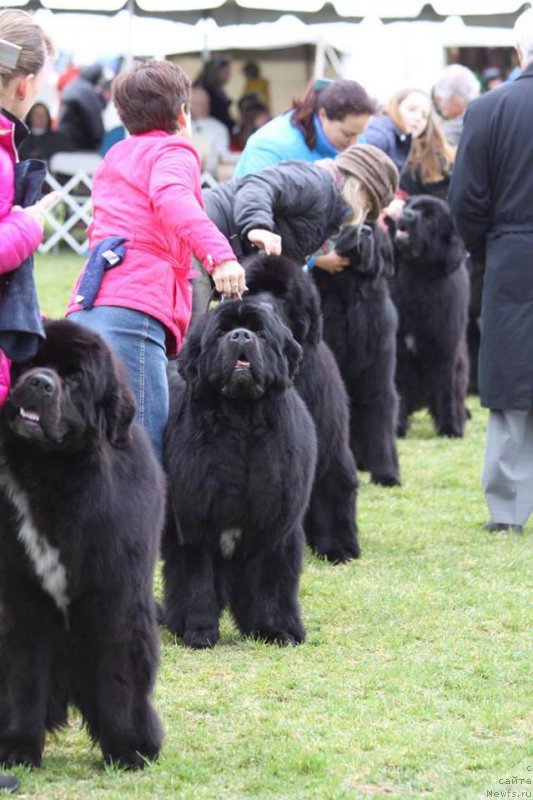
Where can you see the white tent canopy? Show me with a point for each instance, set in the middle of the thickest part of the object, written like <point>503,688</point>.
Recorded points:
<point>106,36</point>
<point>385,9</point>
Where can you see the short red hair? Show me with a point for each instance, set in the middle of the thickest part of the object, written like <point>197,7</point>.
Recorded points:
<point>149,96</point>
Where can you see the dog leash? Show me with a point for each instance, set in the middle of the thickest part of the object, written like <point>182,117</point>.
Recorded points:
<point>223,298</point>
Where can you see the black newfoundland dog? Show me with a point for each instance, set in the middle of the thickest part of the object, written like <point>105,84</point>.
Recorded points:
<point>330,524</point>
<point>240,451</point>
<point>81,509</point>
<point>431,292</point>
<point>360,325</point>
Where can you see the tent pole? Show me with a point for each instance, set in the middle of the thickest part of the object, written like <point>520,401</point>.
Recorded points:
<point>129,54</point>
<point>320,59</point>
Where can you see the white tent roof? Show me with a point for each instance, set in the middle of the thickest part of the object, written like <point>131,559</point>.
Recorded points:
<point>344,8</point>
<point>106,36</point>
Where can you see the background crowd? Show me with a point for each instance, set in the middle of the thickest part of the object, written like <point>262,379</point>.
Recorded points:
<point>82,117</point>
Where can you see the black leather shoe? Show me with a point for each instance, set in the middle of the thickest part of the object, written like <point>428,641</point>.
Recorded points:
<point>496,527</point>
<point>8,783</point>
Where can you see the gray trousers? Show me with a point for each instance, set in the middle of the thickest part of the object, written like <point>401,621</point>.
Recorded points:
<point>507,477</point>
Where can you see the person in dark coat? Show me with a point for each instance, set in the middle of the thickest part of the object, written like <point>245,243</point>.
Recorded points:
<point>213,77</point>
<point>295,206</point>
<point>80,115</point>
<point>491,196</point>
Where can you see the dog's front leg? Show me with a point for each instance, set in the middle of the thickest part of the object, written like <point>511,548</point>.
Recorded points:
<point>374,428</point>
<point>445,409</point>
<point>114,658</point>
<point>27,634</point>
<point>192,603</point>
<point>264,593</point>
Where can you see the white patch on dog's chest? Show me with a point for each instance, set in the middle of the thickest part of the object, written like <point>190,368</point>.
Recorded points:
<point>410,343</point>
<point>44,558</point>
<point>228,540</point>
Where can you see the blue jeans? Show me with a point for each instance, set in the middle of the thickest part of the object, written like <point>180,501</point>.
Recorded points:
<point>139,340</point>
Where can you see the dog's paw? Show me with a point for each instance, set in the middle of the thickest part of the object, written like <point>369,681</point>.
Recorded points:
<point>450,431</point>
<point>292,636</point>
<point>26,755</point>
<point>386,480</point>
<point>129,759</point>
<point>202,639</point>
<point>339,552</point>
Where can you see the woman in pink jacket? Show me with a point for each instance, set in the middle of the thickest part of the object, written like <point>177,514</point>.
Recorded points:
<point>148,221</point>
<point>23,51</point>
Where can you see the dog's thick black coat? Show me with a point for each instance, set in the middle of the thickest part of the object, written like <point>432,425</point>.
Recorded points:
<point>330,524</point>
<point>81,512</point>
<point>360,325</point>
<point>431,292</point>
<point>476,272</point>
<point>240,451</point>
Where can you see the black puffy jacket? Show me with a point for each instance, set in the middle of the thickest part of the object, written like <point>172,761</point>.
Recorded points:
<point>297,200</point>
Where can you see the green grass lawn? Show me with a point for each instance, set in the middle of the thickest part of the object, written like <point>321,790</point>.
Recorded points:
<point>415,680</point>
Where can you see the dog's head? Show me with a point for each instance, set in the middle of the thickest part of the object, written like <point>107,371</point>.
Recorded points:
<point>282,282</point>
<point>368,248</point>
<point>426,234</point>
<point>73,393</point>
<point>240,350</point>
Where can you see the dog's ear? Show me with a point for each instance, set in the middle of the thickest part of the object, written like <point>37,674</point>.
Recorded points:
<point>293,353</point>
<point>286,355</point>
<point>118,406</point>
<point>455,252</point>
<point>305,311</point>
<point>385,253</point>
<point>189,355</point>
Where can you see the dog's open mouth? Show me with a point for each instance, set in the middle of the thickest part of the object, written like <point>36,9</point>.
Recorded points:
<point>30,415</point>
<point>241,364</point>
<point>402,234</point>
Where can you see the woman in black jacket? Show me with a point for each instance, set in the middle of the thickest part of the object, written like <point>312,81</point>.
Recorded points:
<point>294,207</point>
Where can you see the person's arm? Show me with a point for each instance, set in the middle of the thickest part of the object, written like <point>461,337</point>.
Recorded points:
<point>331,262</point>
<point>20,236</point>
<point>286,190</point>
<point>180,212</point>
<point>21,232</point>
<point>469,193</point>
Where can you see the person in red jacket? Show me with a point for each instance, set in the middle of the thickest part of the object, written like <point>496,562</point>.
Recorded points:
<point>24,48</point>
<point>148,221</point>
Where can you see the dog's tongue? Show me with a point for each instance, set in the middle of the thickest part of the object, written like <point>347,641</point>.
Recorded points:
<point>242,364</point>
<point>400,234</point>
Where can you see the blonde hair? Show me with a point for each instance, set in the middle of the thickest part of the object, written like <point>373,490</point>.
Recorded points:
<point>19,28</point>
<point>353,192</point>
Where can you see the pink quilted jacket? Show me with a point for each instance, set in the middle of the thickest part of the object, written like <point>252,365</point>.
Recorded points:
<point>148,190</point>
<point>20,235</point>
<point>5,380</point>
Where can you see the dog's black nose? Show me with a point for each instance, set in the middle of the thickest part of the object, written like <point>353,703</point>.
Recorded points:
<point>41,381</point>
<point>241,336</point>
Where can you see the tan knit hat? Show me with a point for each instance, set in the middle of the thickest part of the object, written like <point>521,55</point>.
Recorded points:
<point>375,170</point>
